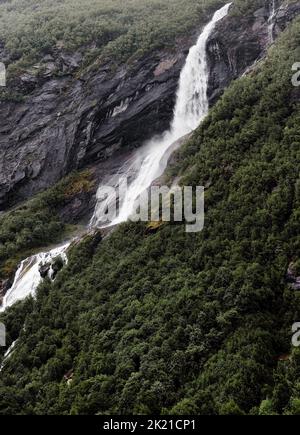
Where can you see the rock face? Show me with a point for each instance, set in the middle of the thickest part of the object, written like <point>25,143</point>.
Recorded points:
<point>71,120</point>
<point>68,123</point>
<point>238,42</point>
<point>51,268</point>
<point>292,277</point>
<point>4,287</point>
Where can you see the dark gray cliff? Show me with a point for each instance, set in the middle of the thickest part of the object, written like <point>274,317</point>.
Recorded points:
<point>71,120</point>
<point>238,42</point>
<point>68,123</point>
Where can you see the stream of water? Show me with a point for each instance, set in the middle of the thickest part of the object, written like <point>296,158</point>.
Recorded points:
<point>190,109</point>
<point>271,21</point>
<point>150,162</point>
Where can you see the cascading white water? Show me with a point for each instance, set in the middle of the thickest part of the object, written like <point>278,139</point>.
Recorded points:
<point>8,354</point>
<point>28,277</point>
<point>191,108</point>
<point>271,21</point>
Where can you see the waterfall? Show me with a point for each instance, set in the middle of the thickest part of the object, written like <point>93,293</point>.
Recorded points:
<point>148,164</point>
<point>271,22</point>
<point>28,276</point>
<point>7,354</point>
<point>190,109</point>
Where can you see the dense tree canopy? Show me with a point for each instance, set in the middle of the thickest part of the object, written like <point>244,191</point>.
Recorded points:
<point>117,28</point>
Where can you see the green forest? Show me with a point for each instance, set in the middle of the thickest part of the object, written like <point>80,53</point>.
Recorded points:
<point>101,29</point>
<point>109,29</point>
<point>165,322</point>
<point>37,223</point>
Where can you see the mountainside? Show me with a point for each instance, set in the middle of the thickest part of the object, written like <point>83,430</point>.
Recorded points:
<point>77,101</point>
<point>152,320</point>
<point>68,111</point>
<point>52,132</point>
<point>149,319</point>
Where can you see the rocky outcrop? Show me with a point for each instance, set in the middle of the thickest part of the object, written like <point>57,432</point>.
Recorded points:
<point>292,277</point>
<point>51,268</point>
<point>70,121</point>
<point>238,42</point>
<point>4,287</point>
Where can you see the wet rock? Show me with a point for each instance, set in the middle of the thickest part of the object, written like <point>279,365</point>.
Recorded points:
<point>44,269</point>
<point>51,268</point>
<point>285,14</point>
<point>4,287</point>
<point>49,69</point>
<point>238,43</point>
<point>68,123</point>
<point>70,62</point>
<point>28,81</point>
<point>292,277</point>
<point>262,13</point>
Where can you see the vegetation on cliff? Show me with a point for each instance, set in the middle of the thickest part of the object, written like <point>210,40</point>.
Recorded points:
<point>111,28</point>
<point>169,322</point>
<point>37,222</point>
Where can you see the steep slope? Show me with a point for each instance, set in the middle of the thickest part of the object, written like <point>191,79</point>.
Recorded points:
<point>164,321</point>
<point>39,145</point>
<point>241,41</point>
<point>77,96</point>
<point>73,102</point>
